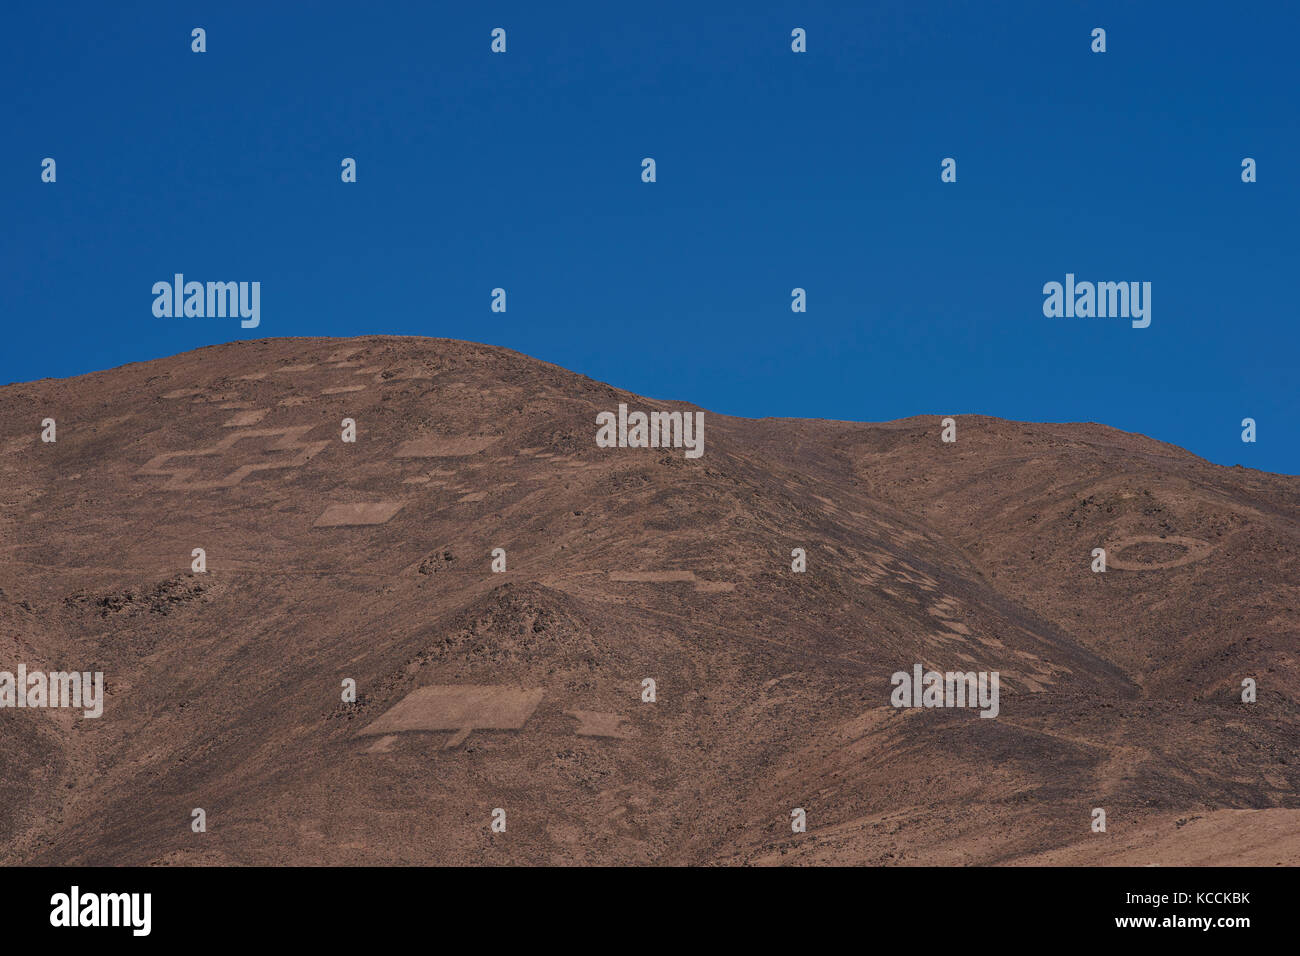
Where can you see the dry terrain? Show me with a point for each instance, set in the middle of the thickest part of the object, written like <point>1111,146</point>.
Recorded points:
<point>521,689</point>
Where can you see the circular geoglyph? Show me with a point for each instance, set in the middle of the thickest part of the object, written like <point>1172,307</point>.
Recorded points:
<point>1149,552</point>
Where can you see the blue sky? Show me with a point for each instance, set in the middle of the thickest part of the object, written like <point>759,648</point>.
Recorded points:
<point>775,170</point>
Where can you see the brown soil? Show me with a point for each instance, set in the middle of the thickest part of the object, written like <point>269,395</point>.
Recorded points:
<point>524,689</point>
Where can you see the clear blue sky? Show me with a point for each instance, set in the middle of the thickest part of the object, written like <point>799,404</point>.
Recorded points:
<point>775,170</point>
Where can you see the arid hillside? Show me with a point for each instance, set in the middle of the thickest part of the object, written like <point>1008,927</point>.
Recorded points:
<point>523,689</point>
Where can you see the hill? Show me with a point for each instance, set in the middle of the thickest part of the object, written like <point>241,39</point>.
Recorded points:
<point>522,689</point>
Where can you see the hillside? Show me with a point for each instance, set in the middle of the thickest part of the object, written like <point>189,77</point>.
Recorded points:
<point>522,689</point>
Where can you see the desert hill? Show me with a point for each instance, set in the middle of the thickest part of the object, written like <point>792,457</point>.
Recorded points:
<point>522,689</point>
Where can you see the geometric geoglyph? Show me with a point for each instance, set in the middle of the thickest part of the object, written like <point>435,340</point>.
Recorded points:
<point>360,513</point>
<point>671,577</point>
<point>449,446</point>
<point>596,723</point>
<point>459,707</point>
<point>296,453</point>
<point>652,577</point>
